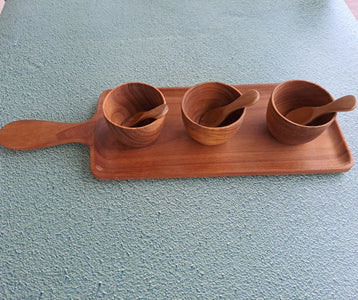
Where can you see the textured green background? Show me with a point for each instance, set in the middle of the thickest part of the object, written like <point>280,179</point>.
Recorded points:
<point>64,234</point>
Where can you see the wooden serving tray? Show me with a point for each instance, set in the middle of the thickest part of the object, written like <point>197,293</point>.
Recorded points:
<point>252,151</point>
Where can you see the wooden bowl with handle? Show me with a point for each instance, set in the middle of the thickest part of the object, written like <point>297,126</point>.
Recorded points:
<point>126,100</point>
<point>291,95</point>
<point>200,99</point>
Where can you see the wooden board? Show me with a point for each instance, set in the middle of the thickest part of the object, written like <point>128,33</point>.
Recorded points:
<point>252,151</point>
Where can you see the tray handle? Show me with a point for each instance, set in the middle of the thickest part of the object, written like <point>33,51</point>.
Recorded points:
<point>35,134</point>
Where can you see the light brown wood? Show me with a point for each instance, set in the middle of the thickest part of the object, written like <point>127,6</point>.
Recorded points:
<point>127,100</point>
<point>143,116</point>
<point>291,95</point>
<point>204,97</point>
<point>252,151</point>
<point>218,115</point>
<point>35,134</point>
<point>307,114</point>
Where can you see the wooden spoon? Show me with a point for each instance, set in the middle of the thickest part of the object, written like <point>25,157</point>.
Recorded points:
<point>305,115</point>
<point>216,116</point>
<point>155,113</point>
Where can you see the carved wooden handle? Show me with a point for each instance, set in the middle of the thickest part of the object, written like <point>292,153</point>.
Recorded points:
<point>34,134</point>
<point>345,103</point>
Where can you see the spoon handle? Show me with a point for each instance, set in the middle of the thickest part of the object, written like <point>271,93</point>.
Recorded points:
<point>345,103</point>
<point>156,113</point>
<point>246,99</point>
<point>35,134</point>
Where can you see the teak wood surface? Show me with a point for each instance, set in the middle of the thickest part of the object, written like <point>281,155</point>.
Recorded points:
<point>252,151</point>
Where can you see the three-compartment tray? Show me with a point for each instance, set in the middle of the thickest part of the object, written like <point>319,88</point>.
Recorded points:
<point>252,151</point>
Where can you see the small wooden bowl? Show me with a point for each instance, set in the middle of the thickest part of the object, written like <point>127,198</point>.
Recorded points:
<point>200,99</point>
<point>126,100</point>
<point>290,95</point>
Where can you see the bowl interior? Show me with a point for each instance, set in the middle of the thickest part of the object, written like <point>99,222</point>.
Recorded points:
<point>128,99</point>
<point>291,95</point>
<point>204,97</point>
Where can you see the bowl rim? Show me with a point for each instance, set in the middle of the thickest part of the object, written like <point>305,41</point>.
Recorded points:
<point>121,86</point>
<point>288,120</point>
<point>208,127</point>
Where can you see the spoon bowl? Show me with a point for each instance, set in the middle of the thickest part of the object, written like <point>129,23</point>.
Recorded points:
<point>305,115</point>
<point>216,116</point>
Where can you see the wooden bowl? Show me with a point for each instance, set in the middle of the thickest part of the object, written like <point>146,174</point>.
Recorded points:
<point>200,99</point>
<point>290,95</point>
<point>126,100</point>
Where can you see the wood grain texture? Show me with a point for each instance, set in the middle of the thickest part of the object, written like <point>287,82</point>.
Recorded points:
<point>140,117</point>
<point>305,115</point>
<point>217,116</point>
<point>202,98</point>
<point>252,151</point>
<point>35,134</point>
<point>290,95</point>
<point>125,101</point>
